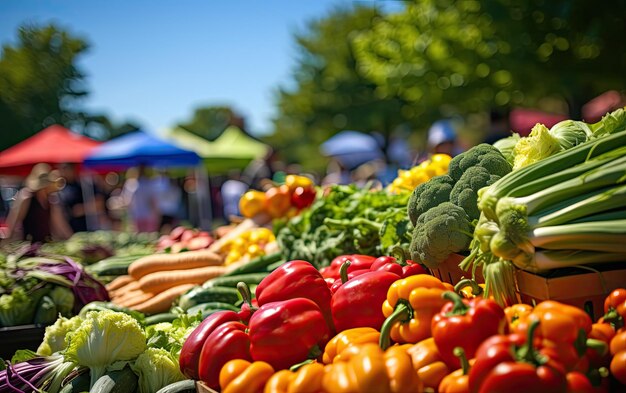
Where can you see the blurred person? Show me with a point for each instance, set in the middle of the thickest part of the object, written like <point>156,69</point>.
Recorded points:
<point>140,199</point>
<point>336,173</point>
<point>169,201</point>
<point>71,197</point>
<point>36,214</point>
<point>261,169</point>
<point>442,138</point>
<point>231,192</point>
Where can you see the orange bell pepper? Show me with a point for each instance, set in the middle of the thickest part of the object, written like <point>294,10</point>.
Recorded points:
<point>278,201</point>
<point>307,379</point>
<point>410,306</point>
<point>516,314</point>
<point>615,308</point>
<point>241,376</point>
<point>457,381</point>
<point>355,336</point>
<point>427,363</point>
<point>618,363</point>
<point>366,368</point>
<point>559,322</point>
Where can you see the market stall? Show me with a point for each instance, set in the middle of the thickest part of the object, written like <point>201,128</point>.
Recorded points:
<point>497,270</point>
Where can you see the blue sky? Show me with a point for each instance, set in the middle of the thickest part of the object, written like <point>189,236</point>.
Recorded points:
<point>153,62</point>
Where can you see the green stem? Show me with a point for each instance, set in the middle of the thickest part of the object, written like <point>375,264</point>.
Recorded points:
<point>459,308</point>
<point>246,295</point>
<point>614,319</point>
<point>401,253</point>
<point>403,312</point>
<point>343,271</point>
<point>459,352</point>
<point>527,352</point>
<point>476,289</point>
<point>295,367</point>
<point>597,345</point>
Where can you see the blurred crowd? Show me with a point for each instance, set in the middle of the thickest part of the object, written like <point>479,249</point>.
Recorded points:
<point>57,202</point>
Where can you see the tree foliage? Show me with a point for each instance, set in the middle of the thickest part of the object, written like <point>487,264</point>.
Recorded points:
<point>209,121</point>
<point>458,57</point>
<point>327,94</point>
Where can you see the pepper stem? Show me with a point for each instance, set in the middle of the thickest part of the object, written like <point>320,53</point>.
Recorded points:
<point>343,271</point>
<point>468,282</point>
<point>401,253</point>
<point>295,367</point>
<point>459,352</point>
<point>597,345</point>
<point>527,352</point>
<point>402,312</point>
<point>246,295</point>
<point>459,308</point>
<point>614,319</point>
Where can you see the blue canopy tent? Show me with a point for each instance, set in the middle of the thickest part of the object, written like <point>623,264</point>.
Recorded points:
<point>142,149</point>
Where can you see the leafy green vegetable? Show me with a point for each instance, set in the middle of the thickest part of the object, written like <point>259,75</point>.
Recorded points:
<point>64,299</point>
<point>103,338</point>
<point>346,220</point>
<point>507,146</point>
<point>156,368</point>
<point>18,307</point>
<point>56,337</point>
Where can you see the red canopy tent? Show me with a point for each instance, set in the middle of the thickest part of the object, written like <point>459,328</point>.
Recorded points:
<point>52,145</point>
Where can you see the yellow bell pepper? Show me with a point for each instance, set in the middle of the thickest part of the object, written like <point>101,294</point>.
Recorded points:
<point>410,306</point>
<point>307,379</point>
<point>241,376</point>
<point>355,336</point>
<point>366,368</point>
<point>252,203</point>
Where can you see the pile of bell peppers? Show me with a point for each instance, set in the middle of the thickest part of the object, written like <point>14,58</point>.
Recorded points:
<point>357,327</point>
<point>297,193</point>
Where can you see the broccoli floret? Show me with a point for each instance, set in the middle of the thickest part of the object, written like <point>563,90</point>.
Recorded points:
<point>483,155</point>
<point>465,192</point>
<point>428,195</point>
<point>441,231</point>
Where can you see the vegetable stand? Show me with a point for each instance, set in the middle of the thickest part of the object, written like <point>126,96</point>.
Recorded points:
<point>358,289</point>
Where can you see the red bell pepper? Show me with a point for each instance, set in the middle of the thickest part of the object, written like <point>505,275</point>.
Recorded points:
<point>288,332</point>
<point>357,262</point>
<point>466,324</point>
<point>358,302</point>
<point>303,197</point>
<point>391,264</point>
<point>296,279</point>
<point>514,363</point>
<point>227,342</point>
<point>190,353</point>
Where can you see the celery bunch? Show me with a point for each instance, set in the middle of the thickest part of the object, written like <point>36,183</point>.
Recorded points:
<point>566,210</point>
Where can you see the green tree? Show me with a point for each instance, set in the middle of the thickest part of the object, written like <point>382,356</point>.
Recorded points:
<point>448,57</point>
<point>209,121</point>
<point>40,83</point>
<point>327,93</point>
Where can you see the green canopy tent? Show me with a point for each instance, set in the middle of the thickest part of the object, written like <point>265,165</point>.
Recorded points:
<point>233,149</point>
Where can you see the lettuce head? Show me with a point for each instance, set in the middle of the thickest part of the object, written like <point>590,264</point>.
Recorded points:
<point>56,336</point>
<point>156,369</point>
<point>105,337</point>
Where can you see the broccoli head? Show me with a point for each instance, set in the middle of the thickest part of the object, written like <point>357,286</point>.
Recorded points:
<point>483,155</point>
<point>428,195</point>
<point>465,192</point>
<point>441,231</point>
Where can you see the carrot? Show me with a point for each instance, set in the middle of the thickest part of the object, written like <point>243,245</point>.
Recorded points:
<point>162,262</point>
<point>160,281</point>
<point>162,301</point>
<point>118,282</point>
<point>127,295</point>
<point>137,299</point>
<point>131,286</point>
